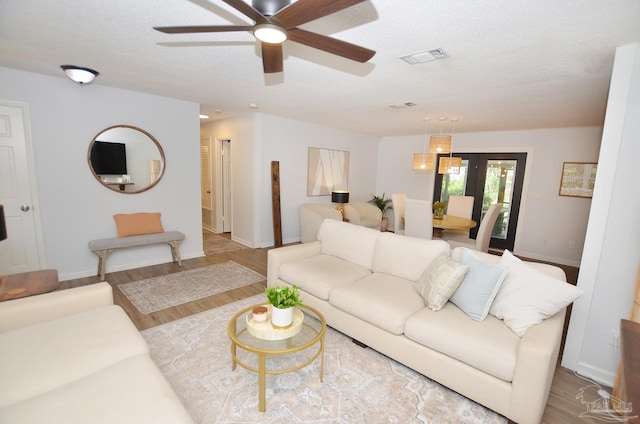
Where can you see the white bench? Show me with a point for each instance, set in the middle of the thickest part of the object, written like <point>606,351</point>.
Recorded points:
<point>103,247</point>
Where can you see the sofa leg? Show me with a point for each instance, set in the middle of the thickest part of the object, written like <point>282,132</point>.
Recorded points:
<point>359,343</point>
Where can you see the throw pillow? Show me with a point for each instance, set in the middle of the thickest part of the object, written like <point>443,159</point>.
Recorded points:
<point>528,296</point>
<point>479,286</point>
<point>438,282</point>
<point>138,223</point>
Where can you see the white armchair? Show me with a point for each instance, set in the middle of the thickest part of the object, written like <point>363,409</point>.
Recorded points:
<point>363,213</point>
<point>311,216</point>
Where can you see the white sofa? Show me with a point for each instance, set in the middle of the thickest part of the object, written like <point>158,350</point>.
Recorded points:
<point>363,281</point>
<point>72,356</point>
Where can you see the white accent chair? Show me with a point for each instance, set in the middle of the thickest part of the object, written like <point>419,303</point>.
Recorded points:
<point>397,200</point>
<point>418,219</point>
<point>363,213</point>
<point>481,243</point>
<point>311,216</point>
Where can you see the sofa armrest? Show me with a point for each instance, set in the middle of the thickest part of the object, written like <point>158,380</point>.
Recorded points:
<point>535,367</point>
<point>57,304</point>
<point>281,255</point>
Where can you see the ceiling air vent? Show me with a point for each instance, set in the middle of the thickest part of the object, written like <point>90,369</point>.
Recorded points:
<point>424,56</point>
<point>402,105</point>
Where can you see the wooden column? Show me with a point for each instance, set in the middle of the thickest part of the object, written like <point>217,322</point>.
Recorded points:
<point>275,203</point>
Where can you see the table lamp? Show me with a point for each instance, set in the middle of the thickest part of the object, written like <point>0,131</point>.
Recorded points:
<point>340,197</point>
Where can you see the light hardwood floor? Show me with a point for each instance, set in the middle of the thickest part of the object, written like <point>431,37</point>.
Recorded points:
<point>563,405</point>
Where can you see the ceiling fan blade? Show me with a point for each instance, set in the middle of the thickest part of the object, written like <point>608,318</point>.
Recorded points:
<point>272,60</point>
<point>203,28</point>
<point>304,11</point>
<point>330,45</point>
<point>246,10</point>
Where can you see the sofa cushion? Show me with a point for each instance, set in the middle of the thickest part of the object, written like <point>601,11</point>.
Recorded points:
<point>319,274</point>
<point>479,286</point>
<point>382,300</point>
<point>405,257</point>
<point>64,350</point>
<point>488,345</point>
<point>438,282</point>
<point>352,243</point>
<point>131,391</point>
<point>528,296</point>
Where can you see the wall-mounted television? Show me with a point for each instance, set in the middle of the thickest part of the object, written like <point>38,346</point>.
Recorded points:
<point>109,158</point>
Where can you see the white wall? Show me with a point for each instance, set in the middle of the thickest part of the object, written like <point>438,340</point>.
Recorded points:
<point>74,207</point>
<point>612,251</point>
<point>550,227</point>
<point>259,139</point>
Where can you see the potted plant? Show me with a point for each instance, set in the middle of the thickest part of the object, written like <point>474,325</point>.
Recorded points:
<point>283,299</point>
<point>385,205</point>
<point>438,209</point>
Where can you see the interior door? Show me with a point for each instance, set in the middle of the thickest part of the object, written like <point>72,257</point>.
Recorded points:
<point>490,178</point>
<point>22,250</point>
<point>206,180</point>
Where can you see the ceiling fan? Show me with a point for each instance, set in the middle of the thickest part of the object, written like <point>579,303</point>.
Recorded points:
<point>277,21</point>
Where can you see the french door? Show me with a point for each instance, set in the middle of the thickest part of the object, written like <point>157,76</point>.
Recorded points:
<point>490,178</point>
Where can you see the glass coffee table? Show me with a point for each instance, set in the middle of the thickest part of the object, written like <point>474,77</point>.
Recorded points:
<point>297,350</point>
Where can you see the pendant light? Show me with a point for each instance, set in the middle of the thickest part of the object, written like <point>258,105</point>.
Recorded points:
<point>424,161</point>
<point>450,165</point>
<point>440,143</point>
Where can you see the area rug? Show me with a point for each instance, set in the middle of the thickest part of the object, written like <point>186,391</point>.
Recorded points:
<point>360,385</point>
<point>165,291</point>
<point>214,244</point>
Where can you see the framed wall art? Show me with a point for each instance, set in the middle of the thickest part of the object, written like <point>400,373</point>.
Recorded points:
<point>578,179</point>
<point>327,170</point>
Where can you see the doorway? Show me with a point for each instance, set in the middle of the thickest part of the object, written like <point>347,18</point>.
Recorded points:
<point>490,178</point>
<point>223,187</point>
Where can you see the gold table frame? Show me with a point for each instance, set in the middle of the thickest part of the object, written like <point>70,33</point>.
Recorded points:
<point>299,342</point>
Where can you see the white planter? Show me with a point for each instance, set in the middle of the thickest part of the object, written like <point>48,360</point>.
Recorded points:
<point>281,317</point>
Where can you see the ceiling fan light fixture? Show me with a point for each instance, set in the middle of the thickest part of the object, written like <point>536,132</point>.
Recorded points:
<point>270,33</point>
<point>80,74</point>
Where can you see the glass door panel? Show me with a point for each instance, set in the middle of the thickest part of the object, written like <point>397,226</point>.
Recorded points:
<point>498,188</point>
<point>455,183</point>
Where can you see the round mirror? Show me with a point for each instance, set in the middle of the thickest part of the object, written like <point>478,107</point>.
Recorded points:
<point>126,159</point>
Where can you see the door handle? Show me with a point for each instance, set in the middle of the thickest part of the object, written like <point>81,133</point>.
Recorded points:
<point>25,208</point>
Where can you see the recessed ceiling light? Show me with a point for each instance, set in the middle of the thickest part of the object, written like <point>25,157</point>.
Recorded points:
<point>253,105</point>
<point>203,116</point>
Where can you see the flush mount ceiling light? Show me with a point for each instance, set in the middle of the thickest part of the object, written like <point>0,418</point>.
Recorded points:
<point>79,74</point>
<point>270,33</point>
<point>424,56</point>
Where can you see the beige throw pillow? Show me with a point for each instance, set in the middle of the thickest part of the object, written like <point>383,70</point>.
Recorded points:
<point>439,281</point>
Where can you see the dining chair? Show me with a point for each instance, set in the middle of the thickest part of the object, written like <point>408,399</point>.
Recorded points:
<point>418,219</point>
<point>397,200</point>
<point>460,206</point>
<point>481,243</point>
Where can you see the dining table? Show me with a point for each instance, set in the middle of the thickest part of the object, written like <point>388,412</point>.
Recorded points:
<point>451,222</point>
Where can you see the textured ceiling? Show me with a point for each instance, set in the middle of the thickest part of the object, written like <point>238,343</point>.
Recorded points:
<point>511,64</point>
